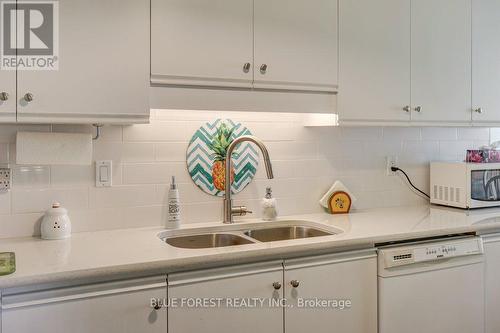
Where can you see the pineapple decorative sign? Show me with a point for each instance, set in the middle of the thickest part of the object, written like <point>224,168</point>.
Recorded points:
<point>206,157</point>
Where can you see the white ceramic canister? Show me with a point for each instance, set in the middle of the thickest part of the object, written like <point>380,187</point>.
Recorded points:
<point>56,223</point>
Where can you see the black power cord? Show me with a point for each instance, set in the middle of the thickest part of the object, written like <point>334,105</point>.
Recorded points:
<point>395,169</point>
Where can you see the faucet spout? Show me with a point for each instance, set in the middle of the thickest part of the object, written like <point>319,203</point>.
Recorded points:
<point>228,201</point>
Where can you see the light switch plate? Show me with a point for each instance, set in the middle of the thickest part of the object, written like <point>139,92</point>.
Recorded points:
<point>5,179</point>
<point>103,173</point>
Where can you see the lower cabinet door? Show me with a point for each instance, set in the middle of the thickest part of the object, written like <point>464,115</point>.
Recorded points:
<point>119,307</point>
<point>227,300</point>
<point>333,293</point>
<point>492,282</point>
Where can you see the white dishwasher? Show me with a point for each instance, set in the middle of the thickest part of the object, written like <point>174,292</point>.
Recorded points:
<point>432,287</point>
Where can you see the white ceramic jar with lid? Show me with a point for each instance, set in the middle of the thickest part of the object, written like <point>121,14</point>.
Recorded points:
<point>56,223</point>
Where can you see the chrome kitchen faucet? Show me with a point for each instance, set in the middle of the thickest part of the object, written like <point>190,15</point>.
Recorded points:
<point>229,210</point>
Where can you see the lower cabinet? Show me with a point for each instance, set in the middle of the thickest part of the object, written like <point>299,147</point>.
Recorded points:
<point>492,278</point>
<point>321,294</point>
<point>329,293</point>
<point>194,300</point>
<point>333,293</point>
<point>120,307</point>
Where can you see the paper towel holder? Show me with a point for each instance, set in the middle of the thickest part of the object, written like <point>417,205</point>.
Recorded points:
<point>97,131</point>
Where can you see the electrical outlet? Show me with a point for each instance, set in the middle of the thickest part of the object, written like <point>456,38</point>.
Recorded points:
<point>5,179</point>
<point>391,161</point>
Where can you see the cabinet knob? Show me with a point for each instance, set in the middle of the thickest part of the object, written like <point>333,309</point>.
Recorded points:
<point>295,283</point>
<point>478,110</point>
<point>277,285</point>
<point>246,67</point>
<point>28,97</point>
<point>406,108</point>
<point>418,109</point>
<point>4,96</point>
<point>263,69</point>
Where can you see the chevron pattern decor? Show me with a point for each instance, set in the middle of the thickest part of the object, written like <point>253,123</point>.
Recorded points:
<point>200,157</point>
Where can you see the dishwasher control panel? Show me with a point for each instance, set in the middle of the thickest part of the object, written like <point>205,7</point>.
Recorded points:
<point>431,251</point>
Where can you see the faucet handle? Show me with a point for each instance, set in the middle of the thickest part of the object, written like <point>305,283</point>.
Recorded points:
<point>240,211</point>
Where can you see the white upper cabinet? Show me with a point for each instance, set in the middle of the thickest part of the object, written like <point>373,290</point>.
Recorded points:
<point>203,43</point>
<point>103,74</point>
<point>405,62</point>
<point>375,58</point>
<point>441,60</point>
<point>279,44</point>
<point>8,91</point>
<point>485,60</point>
<point>7,96</point>
<point>296,44</point>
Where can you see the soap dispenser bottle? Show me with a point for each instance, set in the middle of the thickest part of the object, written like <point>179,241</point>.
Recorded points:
<point>269,206</point>
<point>174,208</point>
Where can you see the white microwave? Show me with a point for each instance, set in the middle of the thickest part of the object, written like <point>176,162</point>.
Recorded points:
<point>465,185</point>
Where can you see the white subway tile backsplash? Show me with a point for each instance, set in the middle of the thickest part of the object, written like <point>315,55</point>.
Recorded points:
<point>8,132</point>
<point>306,162</point>
<point>31,176</point>
<point>4,153</point>
<point>157,131</point>
<point>138,152</point>
<point>171,151</point>
<point>39,200</point>
<point>4,203</point>
<point>475,134</point>
<point>123,196</point>
<point>72,175</point>
<point>439,133</point>
<point>430,148</point>
<point>401,133</point>
<point>361,133</point>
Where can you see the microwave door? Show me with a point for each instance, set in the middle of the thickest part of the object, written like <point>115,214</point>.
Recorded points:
<point>492,187</point>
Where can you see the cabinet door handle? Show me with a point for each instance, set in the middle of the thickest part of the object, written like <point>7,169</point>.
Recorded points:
<point>263,69</point>
<point>295,283</point>
<point>246,67</point>
<point>4,96</point>
<point>478,110</point>
<point>418,109</point>
<point>277,285</point>
<point>28,97</point>
<point>406,108</point>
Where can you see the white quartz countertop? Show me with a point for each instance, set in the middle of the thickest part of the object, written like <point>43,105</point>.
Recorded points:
<point>95,256</point>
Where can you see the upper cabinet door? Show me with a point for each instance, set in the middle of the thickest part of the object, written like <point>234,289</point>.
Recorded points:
<point>296,44</point>
<point>103,74</point>
<point>7,96</point>
<point>441,60</point>
<point>485,60</point>
<point>8,81</point>
<point>202,43</point>
<point>374,61</point>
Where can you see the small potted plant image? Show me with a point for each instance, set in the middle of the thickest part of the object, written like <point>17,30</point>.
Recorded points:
<point>219,145</point>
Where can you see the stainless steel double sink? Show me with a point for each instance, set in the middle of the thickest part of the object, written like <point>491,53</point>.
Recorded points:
<point>262,232</point>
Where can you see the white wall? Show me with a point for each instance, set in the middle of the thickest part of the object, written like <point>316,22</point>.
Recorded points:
<point>306,162</point>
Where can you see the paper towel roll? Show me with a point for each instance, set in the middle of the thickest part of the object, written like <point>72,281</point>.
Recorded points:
<point>36,148</point>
